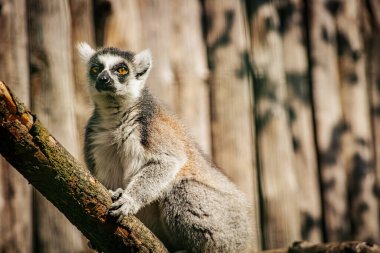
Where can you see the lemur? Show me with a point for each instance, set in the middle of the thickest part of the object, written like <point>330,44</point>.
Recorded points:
<point>152,168</point>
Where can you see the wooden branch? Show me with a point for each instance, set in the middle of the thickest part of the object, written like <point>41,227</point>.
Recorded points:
<point>335,247</point>
<point>29,147</point>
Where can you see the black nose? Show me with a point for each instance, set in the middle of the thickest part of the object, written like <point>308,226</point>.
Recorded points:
<point>104,82</point>
<point>104,78</point>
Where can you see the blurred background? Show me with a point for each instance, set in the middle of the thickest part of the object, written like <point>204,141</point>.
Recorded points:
<point>283,95</point>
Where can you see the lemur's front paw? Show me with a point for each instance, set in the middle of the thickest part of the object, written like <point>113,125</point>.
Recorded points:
<point>116,194</point>
<point>123,204</point>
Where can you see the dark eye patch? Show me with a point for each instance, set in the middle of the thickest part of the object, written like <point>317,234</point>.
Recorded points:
<point>118,66</point>
<point>95,69</point>
<point>121,75</point>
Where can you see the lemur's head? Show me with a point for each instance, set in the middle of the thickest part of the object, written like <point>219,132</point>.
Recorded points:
<point>115,72</point>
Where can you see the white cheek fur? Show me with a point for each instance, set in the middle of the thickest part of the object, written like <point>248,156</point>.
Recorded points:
<point>134,88</point>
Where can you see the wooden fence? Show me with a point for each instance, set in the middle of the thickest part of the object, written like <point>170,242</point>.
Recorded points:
<point>284,95</point>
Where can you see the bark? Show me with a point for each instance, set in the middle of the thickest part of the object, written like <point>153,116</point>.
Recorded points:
<point>43,161</point>
<point>52,98</point>
<point>15,193</point>
<point>335,247</point>
<point>359,159</point>
<point>299,106</point>
<point>231,99</point>
<point>279,186</point>
<point>329,123</point>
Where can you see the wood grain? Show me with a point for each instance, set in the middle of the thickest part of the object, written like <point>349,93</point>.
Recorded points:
<point>299,106</point>
<point>82,30</point>
<point>15,194</point>
<point>279,185</point>
<point>52,93</point>
<point>232,130</point>
<point>330,126</point>
<point>359,157</point>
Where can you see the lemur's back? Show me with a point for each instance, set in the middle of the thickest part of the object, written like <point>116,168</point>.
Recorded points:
<point>152,168</point>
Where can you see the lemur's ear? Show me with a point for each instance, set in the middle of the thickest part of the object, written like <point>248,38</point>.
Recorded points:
<point>85,51</point>
<point>143,63</point>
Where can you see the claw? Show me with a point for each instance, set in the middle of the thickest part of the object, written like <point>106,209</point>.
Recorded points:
<point>115,213</point>
<point>118,203</point>
<point>123,206</point>
<point>116,194</point>
<point>120,219</point>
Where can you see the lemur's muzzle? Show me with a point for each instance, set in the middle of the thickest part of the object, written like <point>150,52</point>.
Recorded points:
<point>104,82</point>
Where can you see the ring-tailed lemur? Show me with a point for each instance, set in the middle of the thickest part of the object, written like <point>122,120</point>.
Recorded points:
<point>152,168</point>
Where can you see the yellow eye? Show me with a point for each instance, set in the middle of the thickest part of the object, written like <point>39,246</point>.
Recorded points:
<point>95,70</point>
<point>122,71</point>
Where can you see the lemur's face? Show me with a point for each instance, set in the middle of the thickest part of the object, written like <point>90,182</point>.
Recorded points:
<point>115,72</point>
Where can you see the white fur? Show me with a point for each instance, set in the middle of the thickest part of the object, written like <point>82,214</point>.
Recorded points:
<point>117,162</point>
<point>85,51</point>
<point>110,60</point>
<point>143,60</point>
<point>134,89</point>
<point>120,164</point>
<point>145,54</point>
<point>144,57</point>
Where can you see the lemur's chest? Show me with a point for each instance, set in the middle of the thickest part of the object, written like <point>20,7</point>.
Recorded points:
<point>118,154</point>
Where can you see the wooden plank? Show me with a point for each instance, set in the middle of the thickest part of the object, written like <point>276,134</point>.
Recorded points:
<point>299,106</point>
<point>52,94</point>
<point>123,26</point>
<point>370,21</point>
<point>82,29</point>
<point>231,98</point>
<point>279,186</point>
<point>330,126</point>
<point>364,208</point>
<point>373,75</point>
<point>15,193</point>
<point>190,70</point>
<point>156,20</point>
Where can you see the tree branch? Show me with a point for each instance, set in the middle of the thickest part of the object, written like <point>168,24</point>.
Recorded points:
<point>29,147</point>
<point>334,247</point>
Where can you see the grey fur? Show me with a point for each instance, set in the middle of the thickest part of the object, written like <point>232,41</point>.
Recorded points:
<point>154,170</point>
